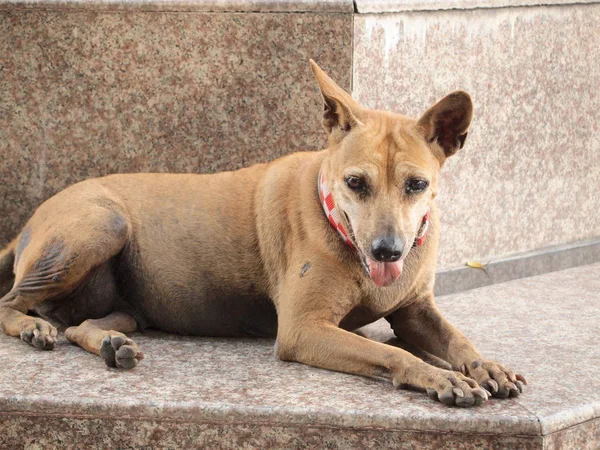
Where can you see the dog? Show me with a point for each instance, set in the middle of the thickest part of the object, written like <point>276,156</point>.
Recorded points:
<point>306,248</point>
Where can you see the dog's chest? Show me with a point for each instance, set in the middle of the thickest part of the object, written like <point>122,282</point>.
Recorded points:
<point>373,307</point>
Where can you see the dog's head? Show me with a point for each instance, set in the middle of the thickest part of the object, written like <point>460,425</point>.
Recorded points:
<point>382,170</point>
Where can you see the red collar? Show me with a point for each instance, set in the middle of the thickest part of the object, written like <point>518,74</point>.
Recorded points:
<point>331,211</point>
<point>422,233</point>
<point>333,215</point>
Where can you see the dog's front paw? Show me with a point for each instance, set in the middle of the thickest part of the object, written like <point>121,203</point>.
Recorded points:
<point>494,377</point>
<point>452,388</point>
<point>118,350</point>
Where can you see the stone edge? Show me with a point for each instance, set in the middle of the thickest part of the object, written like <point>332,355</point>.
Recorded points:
<point>394,6</point>
<point>187,412</point>
<point>582,436</point>
<point>522,265</point>
<point>345,436</point>
<point>568,421</point>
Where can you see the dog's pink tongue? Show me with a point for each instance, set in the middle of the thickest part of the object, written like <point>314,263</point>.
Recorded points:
<point>384,273</point>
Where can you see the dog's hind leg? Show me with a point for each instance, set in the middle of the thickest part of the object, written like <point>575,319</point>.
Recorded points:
<point>7,261</point>
<point>104,337</point>
<point>62,251</point>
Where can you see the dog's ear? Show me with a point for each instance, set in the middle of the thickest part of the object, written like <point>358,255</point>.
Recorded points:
<point>339,108</point>
<point>447,122</point>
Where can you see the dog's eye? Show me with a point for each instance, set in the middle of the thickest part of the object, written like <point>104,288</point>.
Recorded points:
<point>416,185</point>
<point>356,183</point>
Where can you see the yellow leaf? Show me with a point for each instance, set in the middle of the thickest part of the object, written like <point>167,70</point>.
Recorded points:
<point>476,265</point>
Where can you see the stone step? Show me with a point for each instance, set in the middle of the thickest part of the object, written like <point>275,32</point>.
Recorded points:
<point>233,393</point>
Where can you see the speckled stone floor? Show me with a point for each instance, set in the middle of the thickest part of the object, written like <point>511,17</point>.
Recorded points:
<point>232,393</point>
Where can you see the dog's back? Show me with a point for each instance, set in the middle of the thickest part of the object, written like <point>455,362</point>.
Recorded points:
<point>196,259</point>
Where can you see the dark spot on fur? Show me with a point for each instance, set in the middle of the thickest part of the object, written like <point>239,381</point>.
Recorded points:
<point>475,364</point>
<point>118,225</point>
<point>56,278</point>
<point>452,379</point>
<point>52,255</point>
<point>381,371</point>
<point>305,268</point>
<point>23,242</point>
<point>70,261</point>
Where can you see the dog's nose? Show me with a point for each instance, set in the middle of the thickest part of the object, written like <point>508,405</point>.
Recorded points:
<point>387,248</point>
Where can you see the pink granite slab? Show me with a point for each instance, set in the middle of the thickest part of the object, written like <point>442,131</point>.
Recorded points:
<point>228,389</point>
<point>321,6</point>
<point>90,93</point>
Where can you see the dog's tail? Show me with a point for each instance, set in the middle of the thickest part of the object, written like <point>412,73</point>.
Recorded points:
<point>7,260</point>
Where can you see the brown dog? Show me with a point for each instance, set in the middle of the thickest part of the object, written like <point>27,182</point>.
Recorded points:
<point>306,248</point>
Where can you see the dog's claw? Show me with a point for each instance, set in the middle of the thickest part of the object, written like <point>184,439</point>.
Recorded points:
<point>521,378</point>
<point>493,384</point>
<point>520,386</point>
<point>513,390</point>
<point>480,392</point>
<point>463,369</point>
<point>458,391</point>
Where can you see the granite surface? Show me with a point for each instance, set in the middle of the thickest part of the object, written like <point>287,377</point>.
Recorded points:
<point>233,393</point>
<point>86,94</point>
<point>186,5</point>
<point>386,6</point>
<point>524,179</point>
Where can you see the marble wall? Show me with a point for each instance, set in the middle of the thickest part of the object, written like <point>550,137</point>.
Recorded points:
<point>88,93</point>
<point>387,6</point>
<point>88,89</point>
<point>528,175</point>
